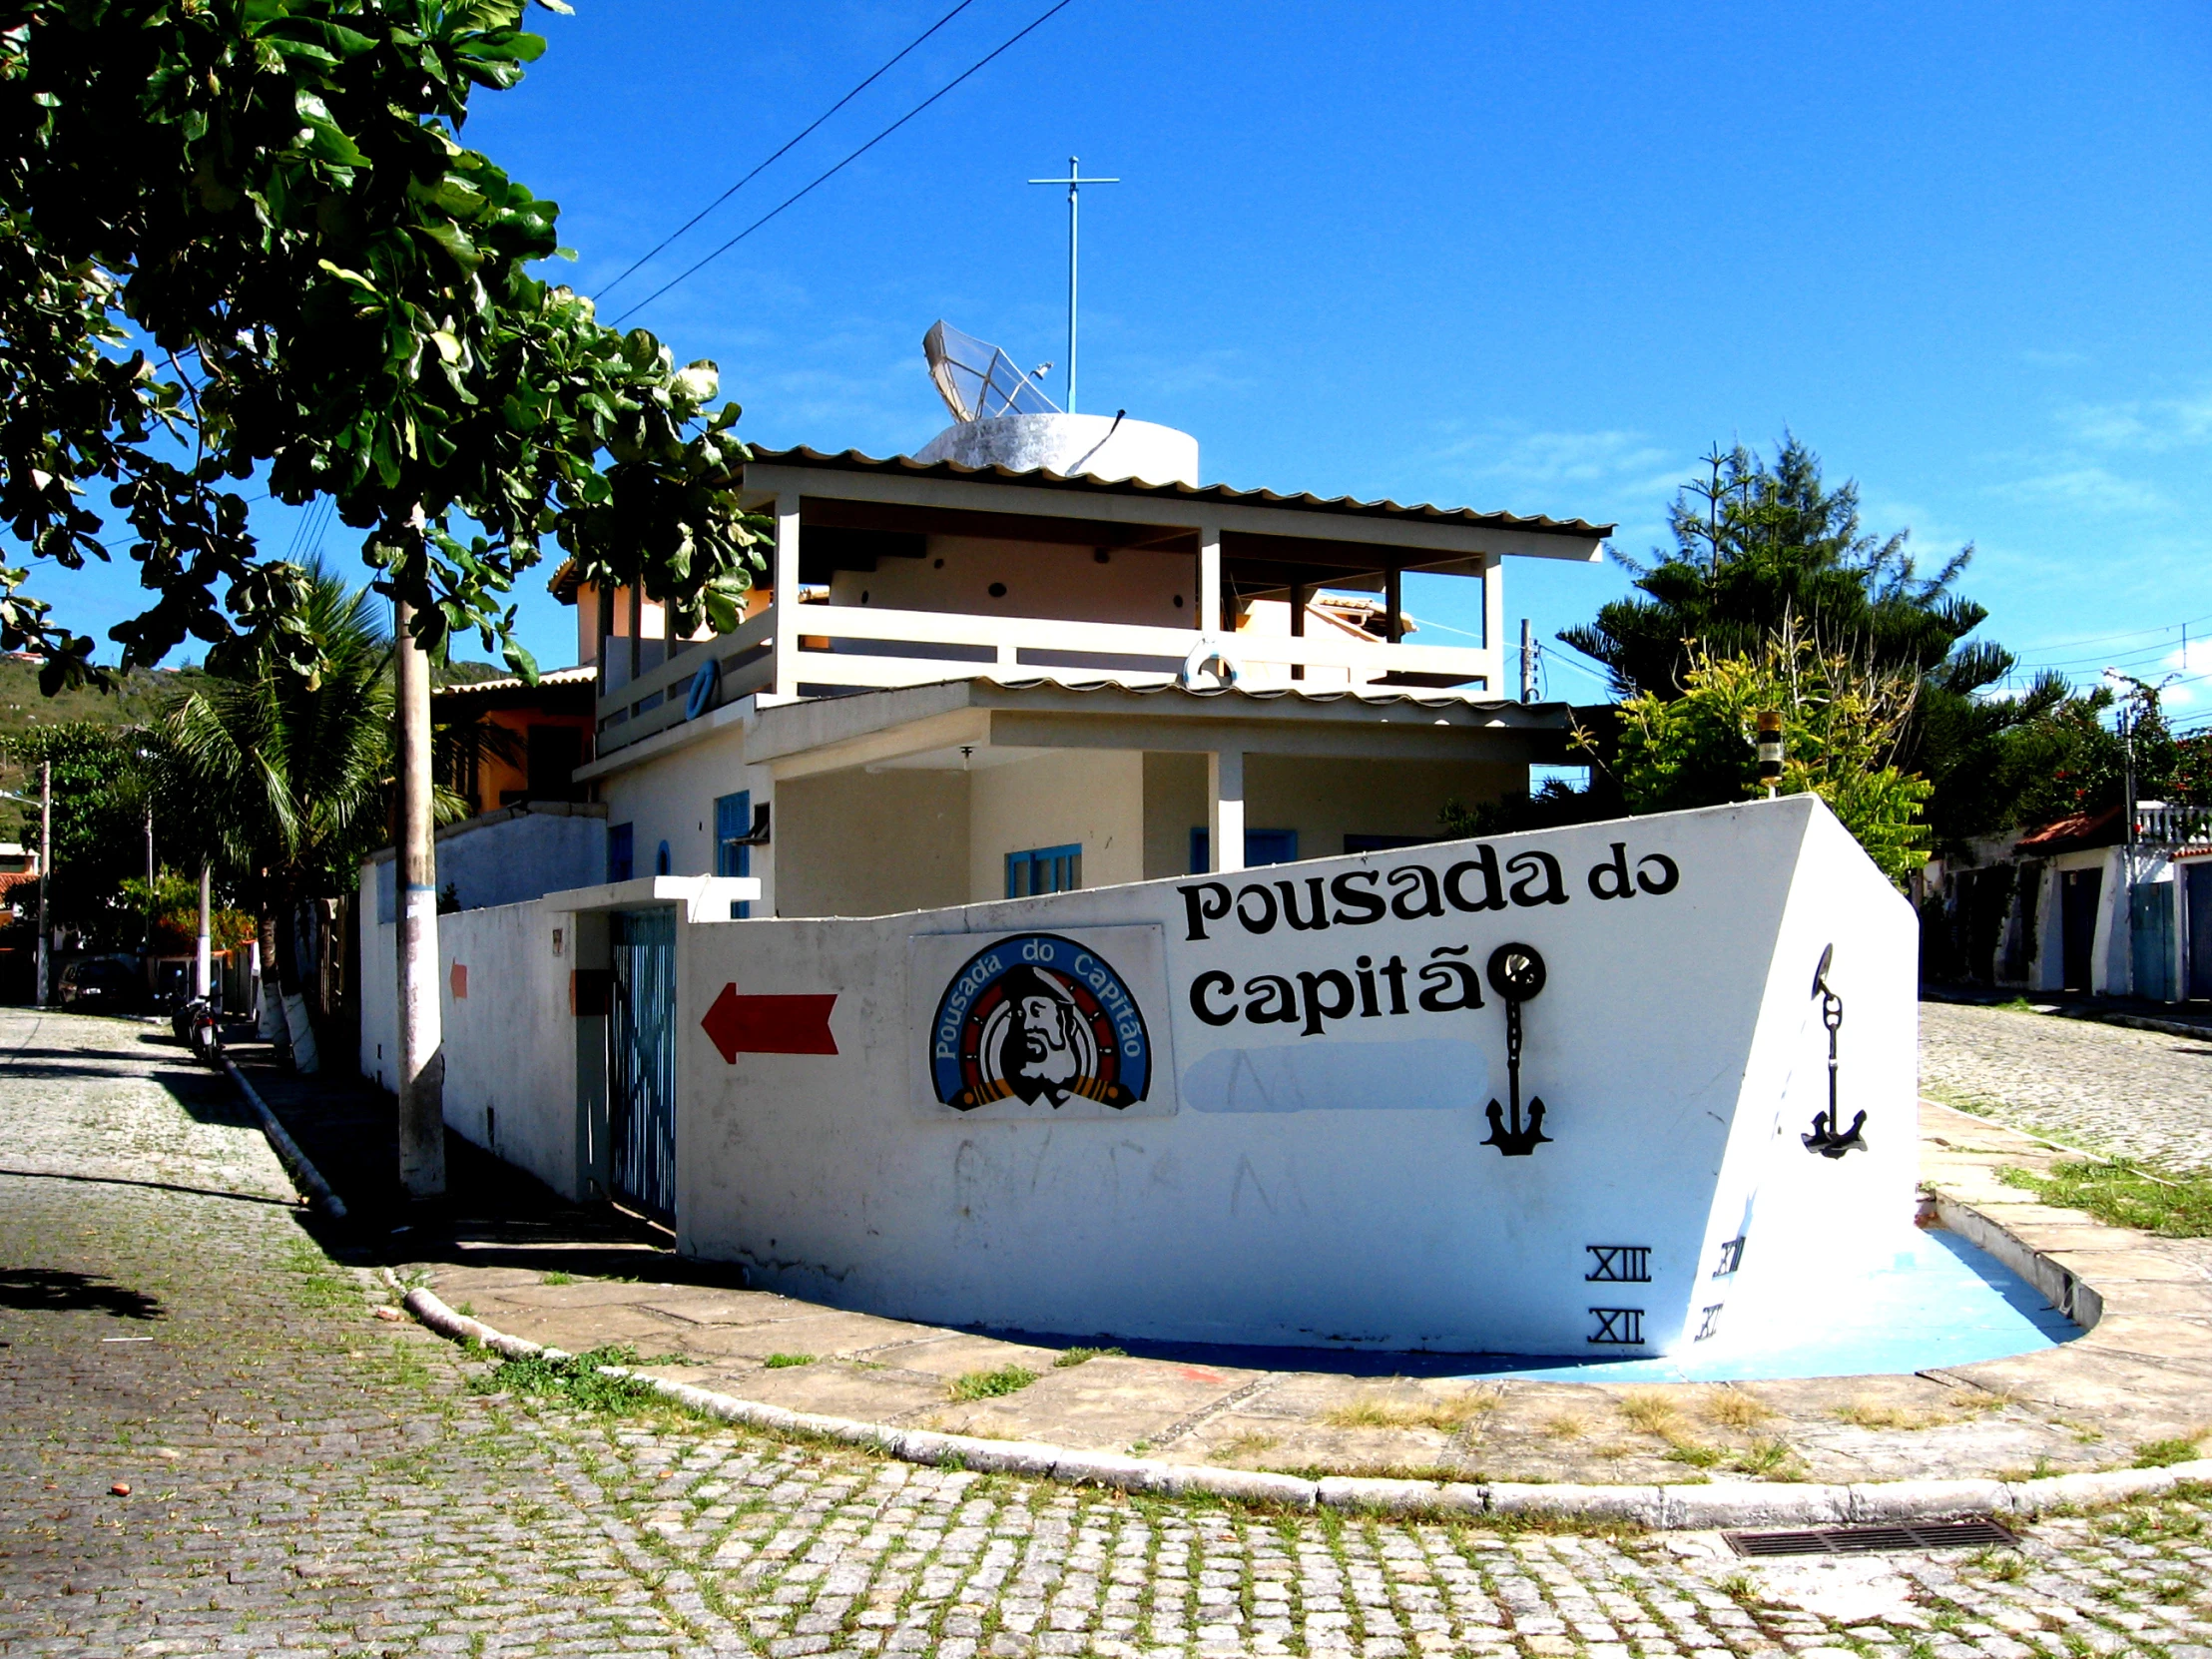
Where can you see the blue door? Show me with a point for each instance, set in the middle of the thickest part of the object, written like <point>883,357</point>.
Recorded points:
<point>641,1063</point>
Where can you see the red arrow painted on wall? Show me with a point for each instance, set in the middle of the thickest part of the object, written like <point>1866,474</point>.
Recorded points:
<point>770,1025</point>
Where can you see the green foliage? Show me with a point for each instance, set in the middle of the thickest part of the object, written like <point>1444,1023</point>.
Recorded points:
<point>1765,550</point>
<point>242,237</point>
<point>1839,729</point>
<point>578,1382</point>
<point>103,785</point>
<point>1085,1355</point>
<point>1759,548</point>
<point>169,911</point>
<point>286,772</point>
<point>2124,1195</point>
<point>781,1362</point>
<point>2163,1455</point>
<point>993,1385</point>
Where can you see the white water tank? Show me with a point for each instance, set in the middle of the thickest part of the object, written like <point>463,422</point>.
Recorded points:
<point>1102,447</point>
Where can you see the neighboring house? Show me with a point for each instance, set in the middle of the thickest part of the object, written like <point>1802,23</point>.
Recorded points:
<point>959,683</point>
<point>544,735</point>
<point>2073,906</point>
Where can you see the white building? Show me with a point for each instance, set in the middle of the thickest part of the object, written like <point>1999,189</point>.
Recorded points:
<point>959,683</point>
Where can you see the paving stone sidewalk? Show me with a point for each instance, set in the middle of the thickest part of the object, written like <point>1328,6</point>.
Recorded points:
<point>308,1478</point>
<point>2104,1088</point>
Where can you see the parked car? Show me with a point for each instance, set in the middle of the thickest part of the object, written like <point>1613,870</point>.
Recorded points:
<point>102,984</point>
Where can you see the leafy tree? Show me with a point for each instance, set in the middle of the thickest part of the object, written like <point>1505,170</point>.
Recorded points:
<point>101,793</point>
<point>242,235</point>
<point>1758,548</point>
<point>1840,727</point>
<point>288,774</point>
<point>1762,552</point>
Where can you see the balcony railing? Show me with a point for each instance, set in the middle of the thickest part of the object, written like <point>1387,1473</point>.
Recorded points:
<point>842,648</point>
<point>2164,826</point>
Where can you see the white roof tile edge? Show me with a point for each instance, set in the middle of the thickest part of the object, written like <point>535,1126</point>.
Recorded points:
<point>1662,1509</point>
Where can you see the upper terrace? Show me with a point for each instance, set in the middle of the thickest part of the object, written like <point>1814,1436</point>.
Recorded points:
<point>900,572</point>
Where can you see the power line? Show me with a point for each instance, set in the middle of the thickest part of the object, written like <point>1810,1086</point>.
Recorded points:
<point>1008,45</point>
<point>786,149</point>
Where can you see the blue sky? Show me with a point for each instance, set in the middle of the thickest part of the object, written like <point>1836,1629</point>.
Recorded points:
<point>1523,256</point>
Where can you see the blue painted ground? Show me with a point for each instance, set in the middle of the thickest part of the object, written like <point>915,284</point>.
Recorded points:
<point>1936,1302</point>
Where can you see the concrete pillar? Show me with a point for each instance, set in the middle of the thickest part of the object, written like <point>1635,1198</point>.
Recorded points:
<point>1209,578</point>
<point>1494,620</point>
<point>1225,809</point>
<point>787,595</point>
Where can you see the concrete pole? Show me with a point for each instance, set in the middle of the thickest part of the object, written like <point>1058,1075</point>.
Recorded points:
<point>422,1038</point>
<point>45,869</point>
<point>1225,810</point>
<point>203,966</point>
<point>1527,661</point>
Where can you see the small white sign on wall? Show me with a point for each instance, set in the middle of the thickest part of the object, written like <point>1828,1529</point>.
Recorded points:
<point>1041,1025</point>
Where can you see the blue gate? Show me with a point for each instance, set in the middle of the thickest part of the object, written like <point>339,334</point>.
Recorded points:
<point>2150,928</point>
<point>641,1063</point>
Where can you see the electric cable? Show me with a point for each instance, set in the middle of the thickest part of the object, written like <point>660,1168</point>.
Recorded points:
<point>820,179</point>
<point>786,149</point>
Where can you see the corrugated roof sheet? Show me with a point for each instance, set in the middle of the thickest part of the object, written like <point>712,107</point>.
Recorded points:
<point>1426,697</point>
<point>853,460</point>
<point>551,677</point>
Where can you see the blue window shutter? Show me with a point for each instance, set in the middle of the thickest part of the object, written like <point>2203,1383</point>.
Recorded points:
<point>732,822</point>
<point>617,852</point>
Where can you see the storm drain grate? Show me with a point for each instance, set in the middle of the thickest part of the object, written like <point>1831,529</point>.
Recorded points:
<point>1971,1533</point>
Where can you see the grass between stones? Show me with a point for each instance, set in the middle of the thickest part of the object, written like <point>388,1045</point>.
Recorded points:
<point>993,1385</point>
<point>577,1381</point>
<point>2124,1195</point>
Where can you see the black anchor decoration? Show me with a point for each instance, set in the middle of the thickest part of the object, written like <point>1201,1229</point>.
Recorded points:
<point>1516,973</point>
<point>1824,1139</point>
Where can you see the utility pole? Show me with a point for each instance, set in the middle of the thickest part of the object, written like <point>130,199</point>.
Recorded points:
<point>202,968</point>
<point>1074,181</point>
<point>1527,661</point>
<point>45,867</point>
<point>146,949</point>
<point>422,1039</point>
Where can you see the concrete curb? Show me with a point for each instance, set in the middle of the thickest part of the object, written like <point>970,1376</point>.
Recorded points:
<point>303,1173</point>
<point>1661,1508</point>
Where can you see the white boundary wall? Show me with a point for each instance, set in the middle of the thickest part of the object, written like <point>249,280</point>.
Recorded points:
<point>1321,1181</point>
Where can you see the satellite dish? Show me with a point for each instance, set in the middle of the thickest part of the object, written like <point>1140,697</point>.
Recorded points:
<point>976,379</point>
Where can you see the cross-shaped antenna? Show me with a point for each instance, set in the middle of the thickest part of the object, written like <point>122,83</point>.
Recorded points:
<point>1074,181</point>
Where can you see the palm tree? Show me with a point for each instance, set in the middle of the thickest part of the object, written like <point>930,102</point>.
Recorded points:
<point>285,775</point>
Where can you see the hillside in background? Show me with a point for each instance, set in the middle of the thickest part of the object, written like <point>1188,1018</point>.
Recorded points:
<point>135,701</point>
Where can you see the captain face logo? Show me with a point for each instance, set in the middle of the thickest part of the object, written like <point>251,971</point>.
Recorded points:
<point>1040,1019</point>
<point>1038,1054</point>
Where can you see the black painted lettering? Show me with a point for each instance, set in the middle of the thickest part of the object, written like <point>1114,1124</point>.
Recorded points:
<point>1273,1000</point>
<point>1539,864</point>
<point>1213,979</point>
<point>1263,923</point>
<point>1365,970</point>
<point>1611,878</point>
<point>1667,874</point>
<point>1320,919</point>
<point>1358,906</point>
<point>1409,879</point>
<point>1394,976</point>
<point>1338,1005</point>
<point>1494,893</point>
<point>1450,983</point>
<point>1204,901</point>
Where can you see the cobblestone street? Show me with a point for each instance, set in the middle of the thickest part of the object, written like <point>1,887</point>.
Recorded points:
<point>2104,1088</point>
<point>305,1477</point>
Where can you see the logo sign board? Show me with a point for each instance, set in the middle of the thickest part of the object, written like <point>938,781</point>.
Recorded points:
<point>1042,1025</point>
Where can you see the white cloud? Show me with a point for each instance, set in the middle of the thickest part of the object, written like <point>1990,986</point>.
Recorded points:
<point>2055,360</point>
<point>1615,458</point>
<point>2090,489</point>
<point>2146,426</point>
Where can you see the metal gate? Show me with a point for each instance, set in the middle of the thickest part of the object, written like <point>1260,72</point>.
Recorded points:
<point>641,1061</point>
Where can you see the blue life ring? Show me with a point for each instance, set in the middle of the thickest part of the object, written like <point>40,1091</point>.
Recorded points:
<point>704,685</point>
